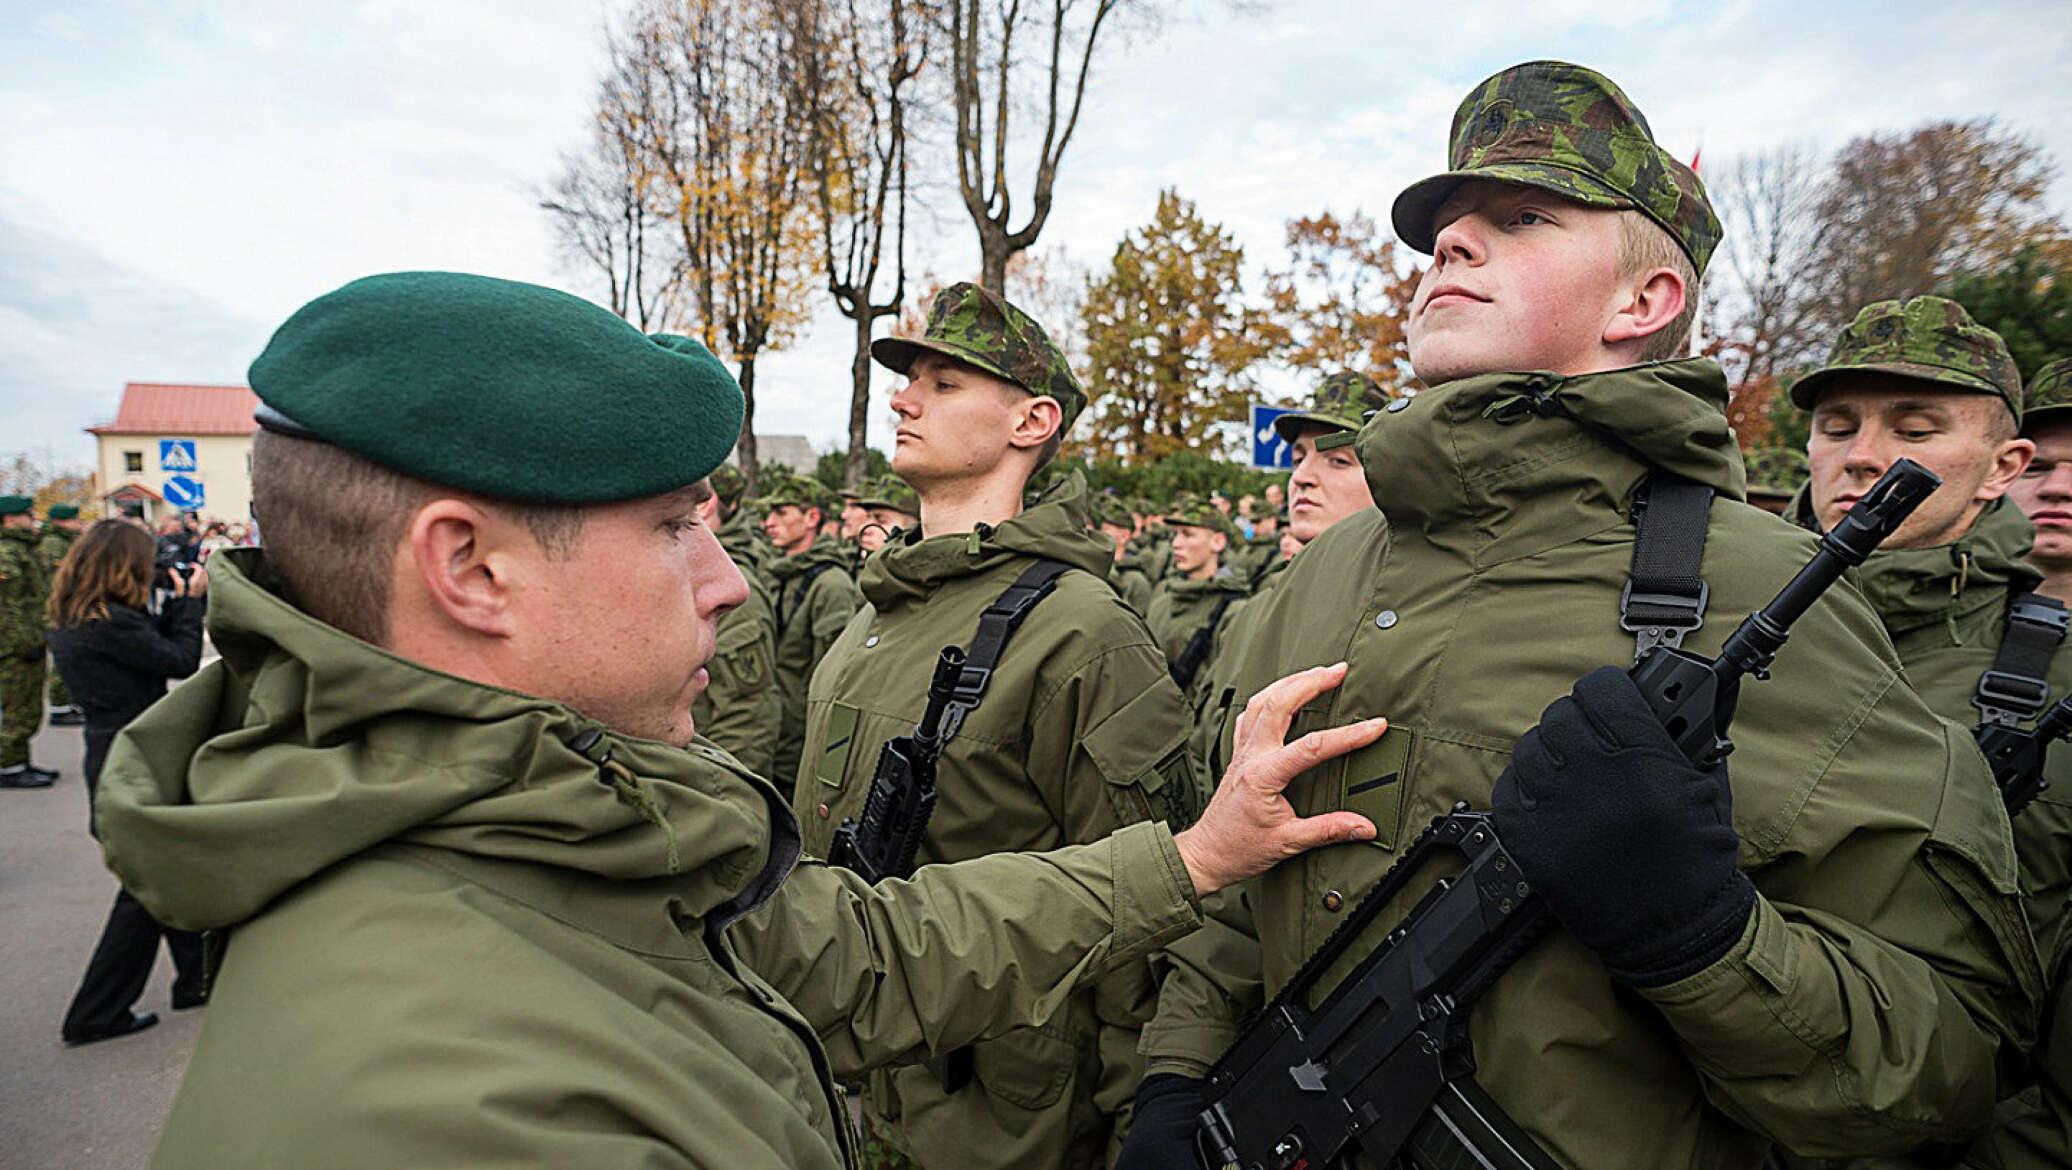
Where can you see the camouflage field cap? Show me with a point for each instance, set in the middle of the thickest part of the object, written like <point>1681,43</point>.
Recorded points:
<point>979,328</point>
<point>1568,130</point>
<point>2050,394</point>
<point>1776,471</point>
<point>1929,339</point>
<point>1114,510</point>
<point>1191,512</point>
<point>797,490</point>
<point>728,483</point>
<point>890,491</point>
<point>1341,402</point>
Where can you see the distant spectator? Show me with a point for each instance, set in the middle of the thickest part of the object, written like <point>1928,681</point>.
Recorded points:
<point>115,657</point>
<point>213,538</point>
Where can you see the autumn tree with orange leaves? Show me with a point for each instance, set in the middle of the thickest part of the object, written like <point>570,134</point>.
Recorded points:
<point>1341,304</point>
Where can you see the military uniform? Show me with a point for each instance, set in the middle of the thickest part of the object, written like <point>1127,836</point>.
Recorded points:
<point>1080,732</point>
<point>545,942</point>
<point>1181,607</point>
<point>1883,969</point>
<point>814,597</point>
<point>51,548</point>
<point>741,708</point>
<point>1126,573</point>
<point>24,588</point>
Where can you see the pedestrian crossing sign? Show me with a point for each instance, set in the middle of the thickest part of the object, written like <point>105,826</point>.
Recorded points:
<point>176,455</point>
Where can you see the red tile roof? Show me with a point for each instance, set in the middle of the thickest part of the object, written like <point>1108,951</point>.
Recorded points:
<point>151,408</point>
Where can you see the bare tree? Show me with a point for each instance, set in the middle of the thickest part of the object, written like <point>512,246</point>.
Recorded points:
<point>1768,293</point>
<point>987,39</point>
<point>857,69</point>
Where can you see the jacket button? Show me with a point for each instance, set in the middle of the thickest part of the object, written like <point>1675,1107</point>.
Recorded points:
<point>1396,404</point>
<point>1332,900</point>
<point>870,641</point>
<point>1385,619</point>
<point>822,811</point>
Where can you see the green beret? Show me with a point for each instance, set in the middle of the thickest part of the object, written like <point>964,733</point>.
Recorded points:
<point>787,488</point>
<point>1569,130</point>
<point>15,505</point>
<point>1340,404</point>
<point>1927,339</point>
<point>1202,514</point>
<point>2050,393</point>
<point>63,512</point>
<point>981,329</point>
<point>492,386</point>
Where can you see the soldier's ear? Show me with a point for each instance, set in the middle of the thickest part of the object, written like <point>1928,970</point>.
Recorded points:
<point>1040,418</point>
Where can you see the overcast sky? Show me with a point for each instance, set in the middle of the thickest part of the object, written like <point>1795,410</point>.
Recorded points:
<point>179,176</point>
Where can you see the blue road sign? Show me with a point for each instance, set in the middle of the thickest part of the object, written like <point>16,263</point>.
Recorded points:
<point>184,493</point>
<point>176,455</point>
<point>1269,452</point>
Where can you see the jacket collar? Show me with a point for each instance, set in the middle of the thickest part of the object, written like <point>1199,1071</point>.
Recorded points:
<point>1058,526</point>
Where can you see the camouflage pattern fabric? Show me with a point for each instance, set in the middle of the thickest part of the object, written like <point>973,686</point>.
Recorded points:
<point>728,483</point>
<point>1569,130</point>
<point>1111,510</point>
<point>2050,393</point>
<point>797,490</point>
<point>1196,513</point>
<point>1341,402</point>
<point>21,707</point>
<point>1776,471</point>
<point>51,548</point>
<point>889,491</point>
<point>1929,339</point>
<point>979,328</point>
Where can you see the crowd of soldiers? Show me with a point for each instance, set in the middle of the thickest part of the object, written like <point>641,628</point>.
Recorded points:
<point>1841,946</point>
<point>29,556</point>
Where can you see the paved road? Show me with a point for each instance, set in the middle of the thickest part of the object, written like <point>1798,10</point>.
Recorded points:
<point>93,1108</point>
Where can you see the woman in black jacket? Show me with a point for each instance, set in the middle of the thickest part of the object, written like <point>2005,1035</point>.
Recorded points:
<point>115,657</point>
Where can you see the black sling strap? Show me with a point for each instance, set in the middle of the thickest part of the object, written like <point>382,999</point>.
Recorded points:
<point>995,626</point>
<point>1196,652</point>
<point>2015,689</point>
<point>798,593</point>
<point>1665,592</point>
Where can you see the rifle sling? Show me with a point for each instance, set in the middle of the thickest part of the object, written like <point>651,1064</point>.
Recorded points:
<point>1665,592</point>
<point>2015,688</point>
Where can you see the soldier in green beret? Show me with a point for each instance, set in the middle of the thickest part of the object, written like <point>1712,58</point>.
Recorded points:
<point>488,896</point>
<point>61,530</point>
<point>2035,1129</point>
<point>1822,947</point>
<point>815,598</point>
<point>1078,731</point>
<point>1188,607</point>
<point>24,587</point>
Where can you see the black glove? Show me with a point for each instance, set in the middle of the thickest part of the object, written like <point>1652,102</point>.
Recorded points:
<point>1163,1125</point>
<point>1632,846</point>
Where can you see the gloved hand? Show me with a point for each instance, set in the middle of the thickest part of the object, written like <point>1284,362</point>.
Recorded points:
<point>1630,843</point>
<point>1162,1126</point>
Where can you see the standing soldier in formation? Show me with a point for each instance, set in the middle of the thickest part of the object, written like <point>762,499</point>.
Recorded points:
<point>1921,380</point>
<point>1127,574</point>
<point>814,595</point>
<point>890,505</point>
<point>1819,944</point>
<point>1187,608</point>
<point>738,531</point>
<point>24,587</point>
<point>1077,732</point>
<point>1153,544</point>
<point>741,708</point>
<point>2045,489</point>
<point>59,533</point>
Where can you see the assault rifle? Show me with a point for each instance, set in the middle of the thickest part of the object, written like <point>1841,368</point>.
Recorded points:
<point>1383,1062</point>
<point>2018,756</point>
<point>886,840</point>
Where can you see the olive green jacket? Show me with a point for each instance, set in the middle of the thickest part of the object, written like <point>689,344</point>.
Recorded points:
<point>1886,973</point>
<point>1946,609</point>
<point>814,597</point>
<point>1132,581</point>
<point>1180,606</point>
<point>1216,697</point>
<point>744,541</point>
<point>453,929</point>
<point>24,588</point>
<point>741,708</point>
<point>1081,731</point>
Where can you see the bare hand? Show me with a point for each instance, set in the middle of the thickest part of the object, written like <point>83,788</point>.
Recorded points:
<point>1249,827</point>
<point>196,583</point>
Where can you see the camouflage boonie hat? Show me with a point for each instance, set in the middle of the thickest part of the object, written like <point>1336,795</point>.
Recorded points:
<point>728,483</point>
<point>1569,130</point>
<point>1929,339</point>
<point>980,329</point>
<point>890,491</point>
<point>2050,393</point>
<point>1341,402</point>
<point>1776,471</point>
<point>1198,513</point>
<point>797,490</point>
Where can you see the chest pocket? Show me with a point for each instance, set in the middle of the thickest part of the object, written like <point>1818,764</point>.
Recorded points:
<point>1141,750</point>
<point>743,656</point>
<point>833,763</point>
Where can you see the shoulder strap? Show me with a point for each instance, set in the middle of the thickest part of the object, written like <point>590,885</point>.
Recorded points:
<point>798,594</point>
<point>1189,663</point>
<point>995,626</point>
<point>2014,688</point>
<point>1665,593</point>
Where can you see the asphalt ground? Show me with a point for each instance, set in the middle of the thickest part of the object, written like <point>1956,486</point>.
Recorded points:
<point>100,1106</point>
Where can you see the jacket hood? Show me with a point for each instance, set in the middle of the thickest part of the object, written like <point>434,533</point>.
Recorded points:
<point>824,550</point>
<point>1913,588</point>
<point>303,747</point>
<point>1223,582</point>
<point>1058,526</point>
<point>1506,460</point>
